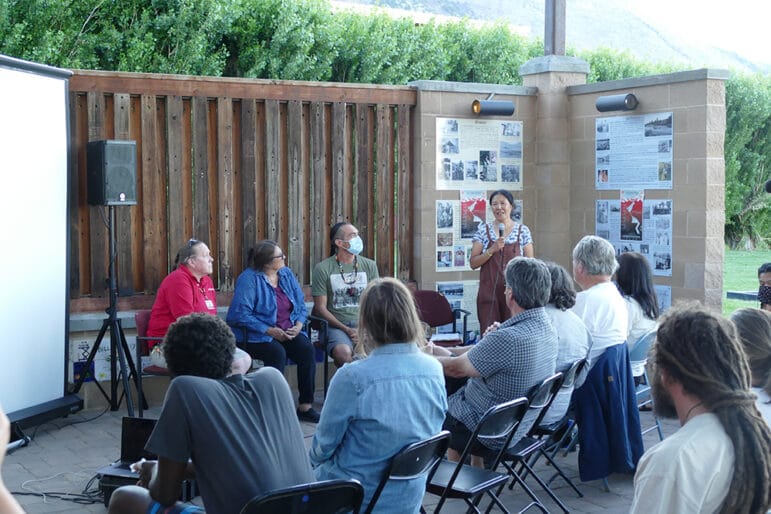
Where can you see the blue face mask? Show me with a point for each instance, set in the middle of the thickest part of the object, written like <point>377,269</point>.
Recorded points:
<point>356,245</point>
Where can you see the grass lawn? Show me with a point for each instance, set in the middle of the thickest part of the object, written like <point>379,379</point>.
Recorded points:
<point>740,273</point>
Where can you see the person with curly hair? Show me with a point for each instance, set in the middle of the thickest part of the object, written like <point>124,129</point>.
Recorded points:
<point>237,435</point>
<point>720,459</point>
<point>754,326</point>
<point>573,340</point>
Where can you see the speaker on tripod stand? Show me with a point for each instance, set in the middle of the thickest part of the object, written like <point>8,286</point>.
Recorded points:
<point>112,181</point>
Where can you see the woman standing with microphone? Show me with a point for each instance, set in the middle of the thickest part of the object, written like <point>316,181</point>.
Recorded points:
<point>493,246</point>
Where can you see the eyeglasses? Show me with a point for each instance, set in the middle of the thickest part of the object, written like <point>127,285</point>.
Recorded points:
<point>499,205</point>
<point>282,256</point>
<point>192,242</point>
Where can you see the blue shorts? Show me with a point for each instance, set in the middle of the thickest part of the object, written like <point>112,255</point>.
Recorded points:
<point>177,508</point>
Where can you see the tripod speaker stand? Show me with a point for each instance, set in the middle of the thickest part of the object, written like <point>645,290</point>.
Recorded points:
<point>119,350</point>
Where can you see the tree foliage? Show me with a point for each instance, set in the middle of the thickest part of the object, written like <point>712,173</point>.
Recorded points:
<point>747,156</point>
<point>306,40</point>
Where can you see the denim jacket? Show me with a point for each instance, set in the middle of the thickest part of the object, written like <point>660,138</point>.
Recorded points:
<point>254,304</point>
<point>374,408</point>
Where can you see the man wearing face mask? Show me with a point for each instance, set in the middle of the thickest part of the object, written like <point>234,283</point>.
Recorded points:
<point>336,285</point>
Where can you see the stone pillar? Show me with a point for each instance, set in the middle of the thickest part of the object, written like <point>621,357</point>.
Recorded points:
<point>551,75</point>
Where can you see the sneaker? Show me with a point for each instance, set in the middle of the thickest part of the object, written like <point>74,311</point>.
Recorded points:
<point>310,415</point>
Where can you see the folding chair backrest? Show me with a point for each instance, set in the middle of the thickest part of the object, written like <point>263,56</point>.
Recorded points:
<point>142,319</point>
<point>499,422</point>
<point>433,308</point>
<point>413,460</point>
<point>326,497</point>
<point>639,351</point>
<point>569,375</point>
<point>539,399</point>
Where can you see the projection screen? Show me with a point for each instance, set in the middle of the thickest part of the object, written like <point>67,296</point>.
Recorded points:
<point>34,137</point>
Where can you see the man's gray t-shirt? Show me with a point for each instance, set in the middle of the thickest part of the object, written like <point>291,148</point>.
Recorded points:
<point>343,290</point>
<point>242,434</point>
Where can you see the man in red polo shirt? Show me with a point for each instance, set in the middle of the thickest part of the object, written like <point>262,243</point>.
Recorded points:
<point>189,289</point>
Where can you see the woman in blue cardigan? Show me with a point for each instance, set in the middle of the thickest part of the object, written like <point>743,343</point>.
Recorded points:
<point>267,315</point>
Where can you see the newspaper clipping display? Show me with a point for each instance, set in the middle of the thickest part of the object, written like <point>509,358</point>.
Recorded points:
<point>633,224</point>
<point>634,152</point>
<point>478,154</point>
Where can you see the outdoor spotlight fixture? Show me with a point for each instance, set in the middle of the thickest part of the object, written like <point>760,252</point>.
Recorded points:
<point>492,107</point>
<point>622,102</point>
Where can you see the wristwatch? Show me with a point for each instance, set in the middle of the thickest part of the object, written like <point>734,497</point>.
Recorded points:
<point>488,253</point>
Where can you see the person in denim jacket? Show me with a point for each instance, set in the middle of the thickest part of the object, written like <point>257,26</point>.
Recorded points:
<point>378,405</point>
<point>267,315</point>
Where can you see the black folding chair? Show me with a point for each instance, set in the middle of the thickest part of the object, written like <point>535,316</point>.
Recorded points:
<point>520,452</point>
<point>326,497</point>
<point>456,480</point>
<point>413,461</point>
<point>557,434</point>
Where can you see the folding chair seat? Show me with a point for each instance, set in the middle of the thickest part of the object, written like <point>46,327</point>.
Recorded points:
<point>414,460</point>
<point>325,497</point>
<point>638,357</point>
<point>456,480</point>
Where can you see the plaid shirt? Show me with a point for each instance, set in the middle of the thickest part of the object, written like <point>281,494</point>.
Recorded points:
<point>519,355</point>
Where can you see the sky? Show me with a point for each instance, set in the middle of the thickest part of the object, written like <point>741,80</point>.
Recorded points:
<point>737,25</point>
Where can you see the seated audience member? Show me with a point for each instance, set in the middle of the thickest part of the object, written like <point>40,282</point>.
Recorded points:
<point>573,338</point>
<point>508,362</point>
<point>267,315</point>
<point>189,289</point>
<point>241,432</point>
<point>634,279</point>
<point>336,285</point>
<point>8,504</point>
<point>754,327</point>
<point>599,304</point>
<point>378,405</point>
<point>605,405</point>
<point>720,459</point>
<point>764,288</point>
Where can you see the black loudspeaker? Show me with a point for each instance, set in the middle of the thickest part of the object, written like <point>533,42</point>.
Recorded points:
<point>112,172</point>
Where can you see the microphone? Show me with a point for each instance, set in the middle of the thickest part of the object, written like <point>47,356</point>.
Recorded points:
<point>768,186</point>
<point>501,226</point>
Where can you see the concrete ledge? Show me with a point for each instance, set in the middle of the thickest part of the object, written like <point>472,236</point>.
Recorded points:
<point>472,87</point>
<point>651,80</point>
<point>92,321</point>
<point>551,63</point>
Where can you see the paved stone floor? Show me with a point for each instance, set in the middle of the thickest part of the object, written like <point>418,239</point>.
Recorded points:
<point>64,454</point>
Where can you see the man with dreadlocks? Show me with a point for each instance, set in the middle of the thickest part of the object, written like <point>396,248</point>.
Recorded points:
<point>720,459</point>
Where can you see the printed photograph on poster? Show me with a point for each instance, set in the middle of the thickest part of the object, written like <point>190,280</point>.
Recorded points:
<point>474,153</point>
<point>664,294</point>
<point>444,214</point>
<point>473,209</point>
<point>655,243</point>
<point>443,259</point>
<point>459,256</point>
<point>634,152</point>
<point>632,215</point>
<point>444,239</point>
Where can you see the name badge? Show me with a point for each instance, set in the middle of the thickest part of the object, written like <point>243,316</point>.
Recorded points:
<point>209,304</point>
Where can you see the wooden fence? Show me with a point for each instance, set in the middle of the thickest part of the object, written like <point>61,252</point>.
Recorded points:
<point>233,161</point>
